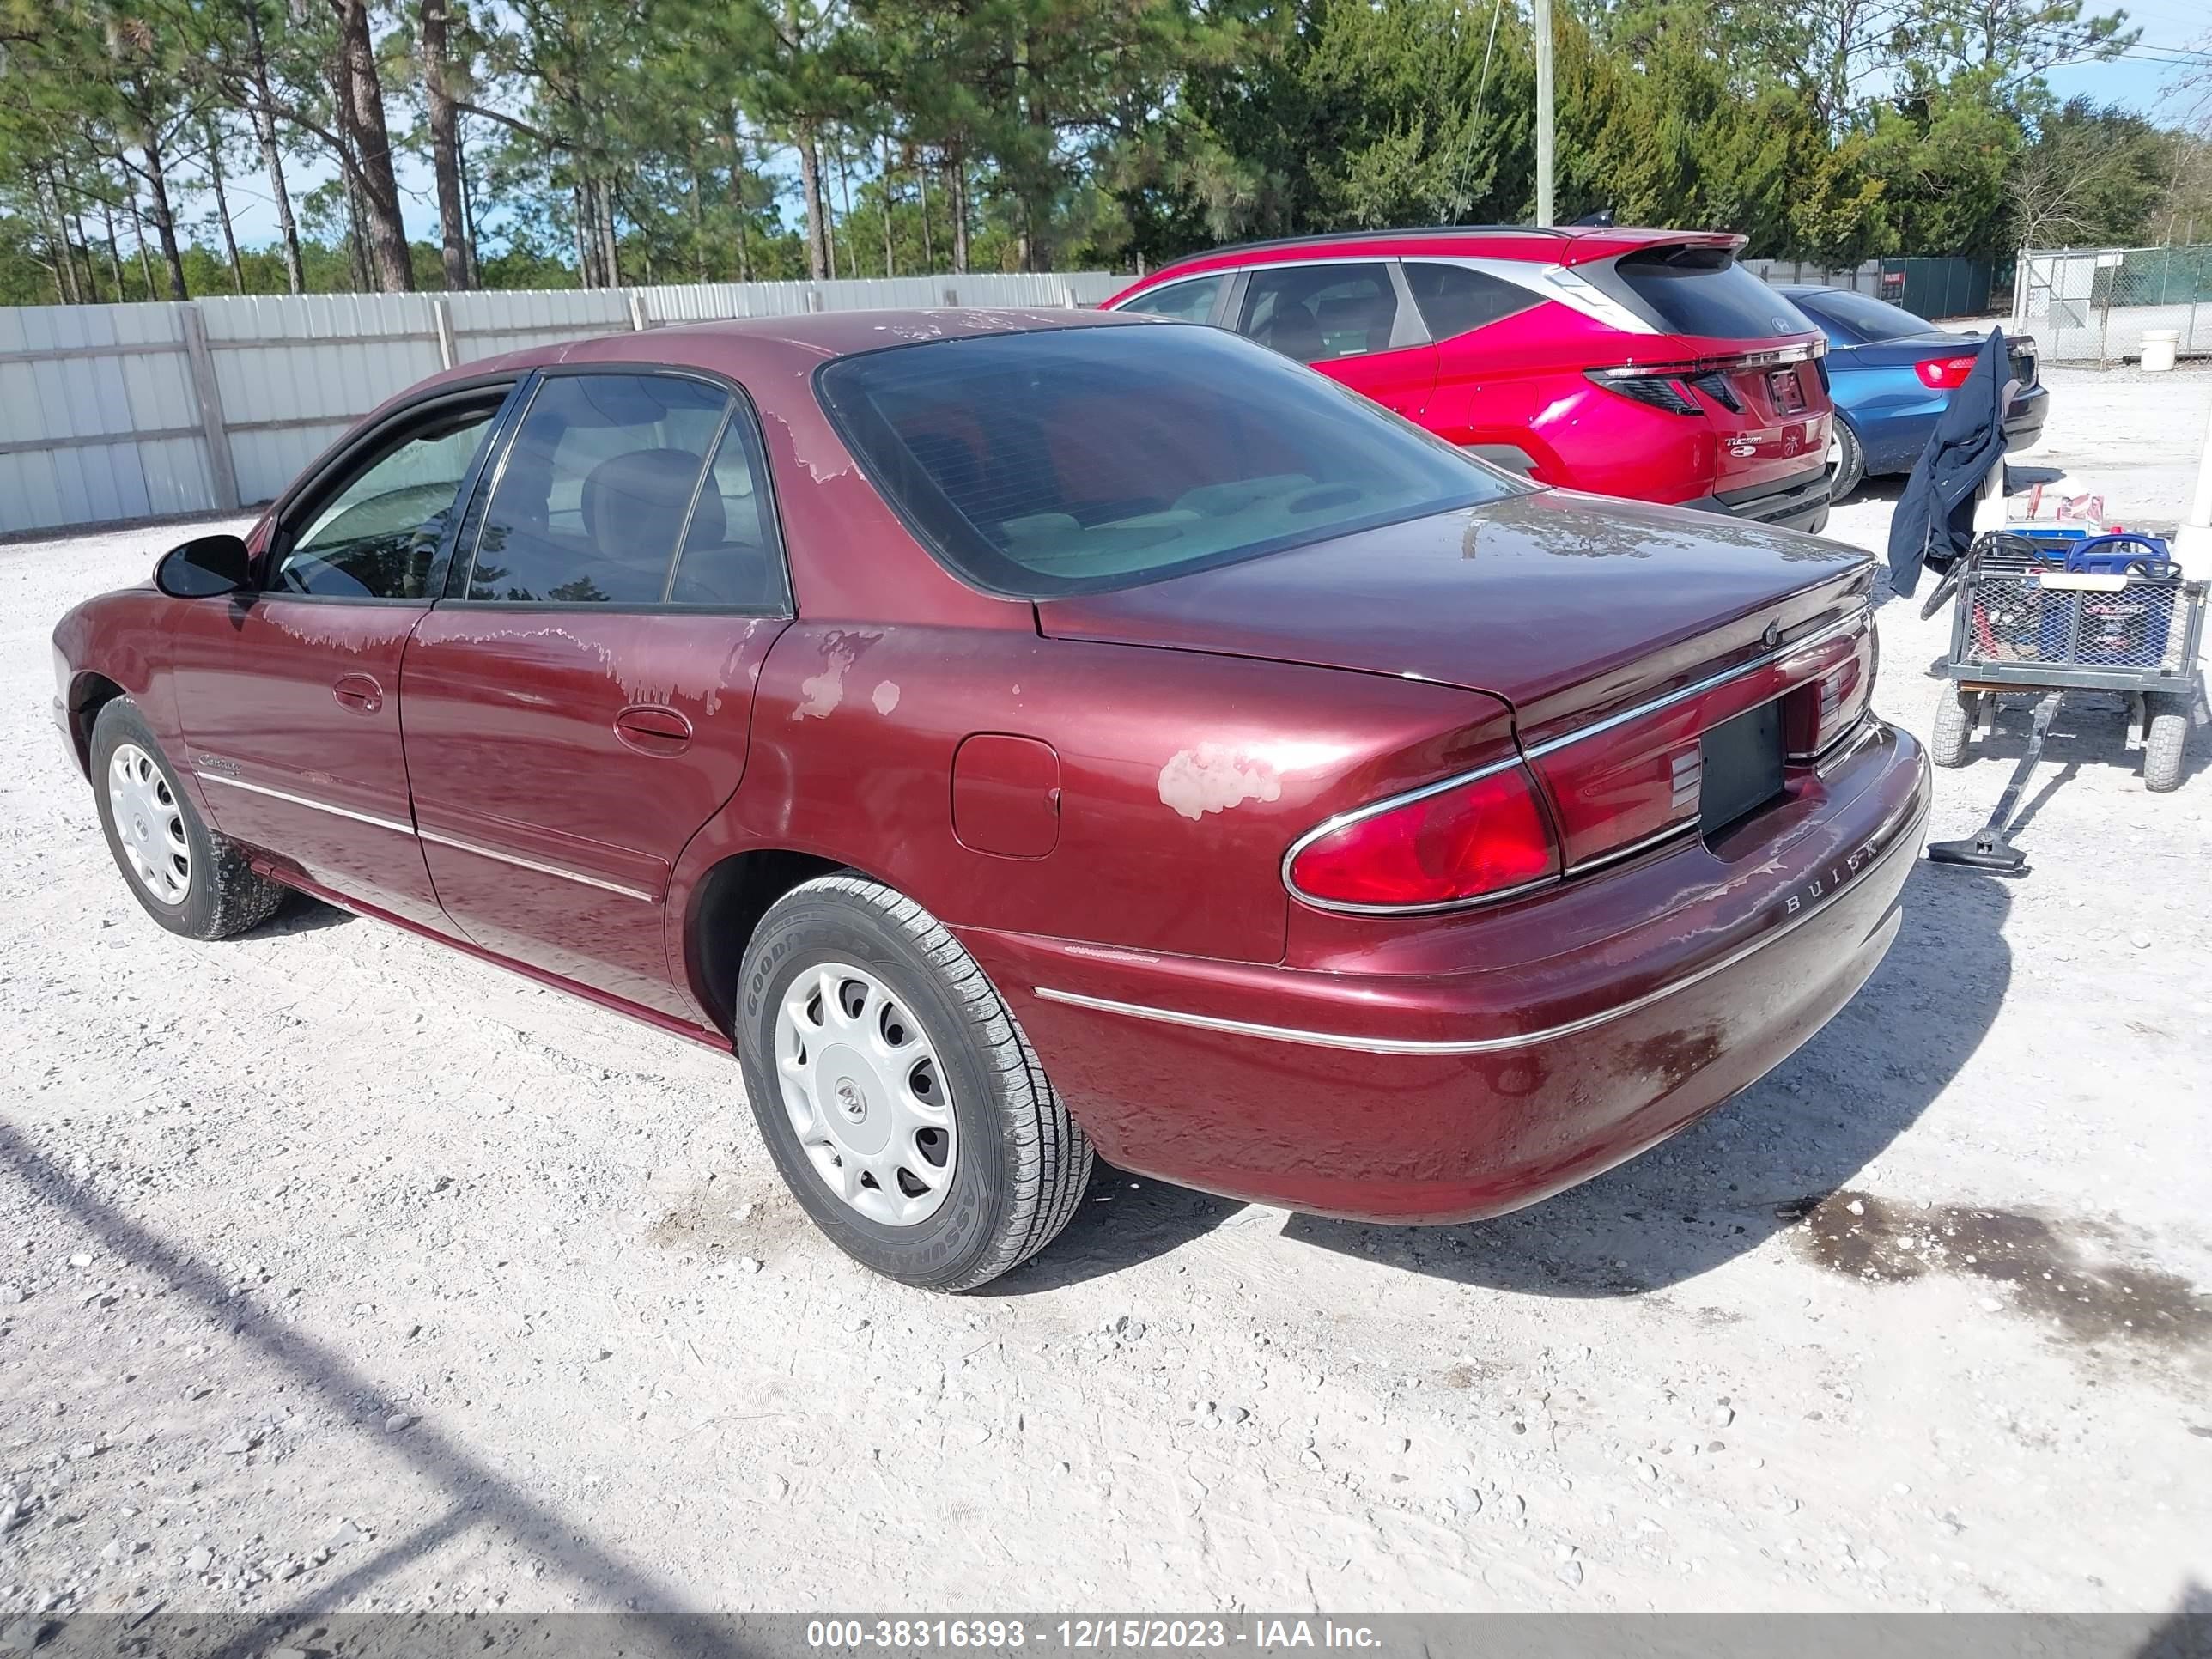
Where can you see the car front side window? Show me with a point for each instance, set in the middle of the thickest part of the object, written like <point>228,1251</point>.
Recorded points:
<point>378,537</point>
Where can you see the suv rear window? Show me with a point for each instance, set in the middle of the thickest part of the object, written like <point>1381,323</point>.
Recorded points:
<point>1083,459</point>
<point>1702,291</point>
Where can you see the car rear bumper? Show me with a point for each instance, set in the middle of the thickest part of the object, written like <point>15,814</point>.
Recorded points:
<point>1799,502</point>
<point>1442,1097</point>
<point>2023,426</point>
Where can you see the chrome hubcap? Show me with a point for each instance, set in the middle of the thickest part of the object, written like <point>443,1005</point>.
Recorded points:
<point>149,824</point>
<point>1835,454</point>
<point>865,1094</point>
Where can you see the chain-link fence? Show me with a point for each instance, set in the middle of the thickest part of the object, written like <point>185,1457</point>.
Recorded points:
<point>2095,305</point>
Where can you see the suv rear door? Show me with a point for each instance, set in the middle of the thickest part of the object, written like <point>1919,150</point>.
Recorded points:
<point>1752,354</point>
<point>1354,320</point>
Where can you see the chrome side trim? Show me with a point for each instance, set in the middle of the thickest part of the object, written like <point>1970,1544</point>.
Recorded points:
<point>1673,831</point>
<point>1765,660</point>
<point>1906,838</point>
<point>302,800</point>
<point>398,828</point>
<point>553,870</point>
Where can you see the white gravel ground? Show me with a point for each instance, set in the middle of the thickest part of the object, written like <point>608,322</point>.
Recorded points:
<point>341,1271</point>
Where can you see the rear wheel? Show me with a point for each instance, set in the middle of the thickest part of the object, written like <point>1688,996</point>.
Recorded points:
<point>1846,461</point>
<point>2167,729</point>
<point>187,878</point>
<point>900,1101</point>
<point>1956,710</point>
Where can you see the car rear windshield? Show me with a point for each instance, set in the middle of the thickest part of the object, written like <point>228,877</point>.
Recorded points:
<point>1082,460</point>
<point>1703,293</point>
<point>1871,318</point>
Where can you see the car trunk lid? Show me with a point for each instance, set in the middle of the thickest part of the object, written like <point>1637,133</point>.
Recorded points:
<point>1570,607</point>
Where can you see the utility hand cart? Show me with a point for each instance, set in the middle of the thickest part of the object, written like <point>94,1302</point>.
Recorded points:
<point>2058,610</point>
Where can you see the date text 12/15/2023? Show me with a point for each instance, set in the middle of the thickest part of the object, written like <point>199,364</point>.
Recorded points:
<point>1094,1634</point>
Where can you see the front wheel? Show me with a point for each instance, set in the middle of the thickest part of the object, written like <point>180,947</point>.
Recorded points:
<point>190,879</point>
<point>902,1104</point>
<point>1846,461</point>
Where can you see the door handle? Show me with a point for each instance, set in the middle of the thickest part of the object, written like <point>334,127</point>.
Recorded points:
<point>652,729</point>
<point>358,692</point>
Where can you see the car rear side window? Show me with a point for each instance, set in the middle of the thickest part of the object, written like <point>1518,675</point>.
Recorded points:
<point>731,555</point>
<point>1453,300</point>
<point>601,483</point>
<point>1187,302</point>
<point>1083,459</point>
<point>1317,312</point>
<point>1702,292</point>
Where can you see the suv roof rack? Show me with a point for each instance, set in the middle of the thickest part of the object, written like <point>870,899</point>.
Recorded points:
<point>1561,232</point>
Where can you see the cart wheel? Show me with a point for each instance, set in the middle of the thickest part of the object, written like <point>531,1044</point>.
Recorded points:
<point>1956,710</point>
<point>2168,729</point>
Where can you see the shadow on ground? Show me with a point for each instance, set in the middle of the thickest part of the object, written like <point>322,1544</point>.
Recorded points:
<point>478,1496</point>
<point>1724,1186</point>
<point>302,915</point>
<point>2090,732</point>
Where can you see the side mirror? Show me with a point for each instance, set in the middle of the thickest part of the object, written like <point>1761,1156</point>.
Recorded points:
<point>204,566</point>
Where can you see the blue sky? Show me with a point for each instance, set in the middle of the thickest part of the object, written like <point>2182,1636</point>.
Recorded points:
<point>2136,82</point>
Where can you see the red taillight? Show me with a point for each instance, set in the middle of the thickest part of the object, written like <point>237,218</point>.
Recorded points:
<point>1941,374</point>
<point>1831,705</point>
<point>1659,390</point>
<point>1465,841</point>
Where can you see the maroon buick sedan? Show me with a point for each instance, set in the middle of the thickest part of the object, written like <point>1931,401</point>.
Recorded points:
<point>1017,733</point>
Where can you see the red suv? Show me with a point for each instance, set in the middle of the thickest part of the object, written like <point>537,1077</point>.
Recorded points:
<point>1644,363</point>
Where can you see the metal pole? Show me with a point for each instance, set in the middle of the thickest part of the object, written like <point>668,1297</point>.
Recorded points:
<point>1543,22</point>
<point>222,470</point>
<point>444,318</point>
<point>2193,545</point>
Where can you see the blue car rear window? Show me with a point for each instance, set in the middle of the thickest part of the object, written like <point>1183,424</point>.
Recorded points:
<point>1868,318</point>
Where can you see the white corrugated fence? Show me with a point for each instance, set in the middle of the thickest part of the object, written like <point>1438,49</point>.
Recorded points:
<point>135,411</point>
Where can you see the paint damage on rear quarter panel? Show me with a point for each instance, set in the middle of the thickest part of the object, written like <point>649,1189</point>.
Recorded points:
<point>1268,751</point>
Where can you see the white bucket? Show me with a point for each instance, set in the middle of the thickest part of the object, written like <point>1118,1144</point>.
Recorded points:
<point>2159,345</point>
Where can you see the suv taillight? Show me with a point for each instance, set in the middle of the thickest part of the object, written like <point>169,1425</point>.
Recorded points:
<point>1662,391</point>
<point>1941,374</point>
<point>1458,843</point>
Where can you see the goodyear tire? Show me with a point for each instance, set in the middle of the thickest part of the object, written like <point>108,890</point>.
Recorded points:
<point>895,1088</point>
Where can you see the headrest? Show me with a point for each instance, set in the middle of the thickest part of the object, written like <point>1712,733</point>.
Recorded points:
<point>634,504</point>
<point>1295,334</point>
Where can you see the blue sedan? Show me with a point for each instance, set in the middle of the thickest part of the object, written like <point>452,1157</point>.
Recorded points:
<point>1890,374</point>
